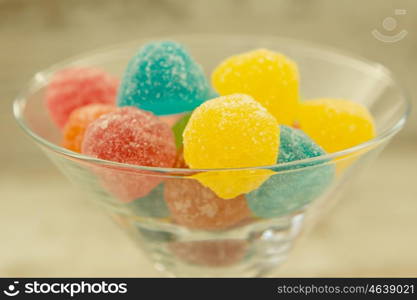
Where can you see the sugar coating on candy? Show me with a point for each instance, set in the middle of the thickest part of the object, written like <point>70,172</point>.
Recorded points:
<point>293,186</point>
<point>269,77</point>
<point>72,88</point>
<point>296,145</point>
<point>131,136</point>
<point>79,119</point>
<point>336,124</point>
<point>195,206</point>
<point>163,78</point>
<point>231,132</point>
<point>178,129</point>
<point>152,205</point>
<point>217,253</point>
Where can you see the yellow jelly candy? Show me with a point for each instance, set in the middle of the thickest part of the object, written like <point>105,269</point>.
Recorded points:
<point>336,124</point>
<point>269,77</point>
<point>231,131</point>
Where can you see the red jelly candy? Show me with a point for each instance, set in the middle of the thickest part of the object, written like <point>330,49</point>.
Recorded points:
<point>131,136</point>
<point>76,87</point>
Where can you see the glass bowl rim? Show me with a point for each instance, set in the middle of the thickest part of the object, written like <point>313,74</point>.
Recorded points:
<point>19,104</point>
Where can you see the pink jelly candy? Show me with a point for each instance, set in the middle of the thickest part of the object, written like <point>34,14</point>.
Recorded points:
<point>196,206</point>
<point>131,136</point>
<point>76,87</point>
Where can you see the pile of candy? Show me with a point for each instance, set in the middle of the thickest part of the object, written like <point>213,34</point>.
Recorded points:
<point>242,131</point>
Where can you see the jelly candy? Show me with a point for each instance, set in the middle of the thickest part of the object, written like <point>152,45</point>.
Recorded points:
<point>163,78</point>
<point>296,185</point>
<point>79,119</point>
<point>267,76</point>
<point>336,124</point>
<point>296,145</point>
<point>130,136</point>
<point>76,87</point>
<point>231,131</point>
<point>195,206</point>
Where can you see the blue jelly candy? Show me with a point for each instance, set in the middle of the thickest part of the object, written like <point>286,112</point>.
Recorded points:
<point>152,205</point>
<point>293,186</point>
<point>163,78</point>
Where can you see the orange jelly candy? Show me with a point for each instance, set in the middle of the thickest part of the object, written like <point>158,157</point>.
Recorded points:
<point>78,121</point>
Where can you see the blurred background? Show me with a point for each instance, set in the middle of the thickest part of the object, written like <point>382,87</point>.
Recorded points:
<point>47,228</point>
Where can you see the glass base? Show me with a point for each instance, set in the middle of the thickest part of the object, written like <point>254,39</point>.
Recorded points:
<point>251,250</point>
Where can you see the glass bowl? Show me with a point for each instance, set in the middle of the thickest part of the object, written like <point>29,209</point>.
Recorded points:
<point>183,227</point>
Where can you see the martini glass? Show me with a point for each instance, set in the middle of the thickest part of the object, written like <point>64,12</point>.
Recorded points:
<point>246,244</point>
